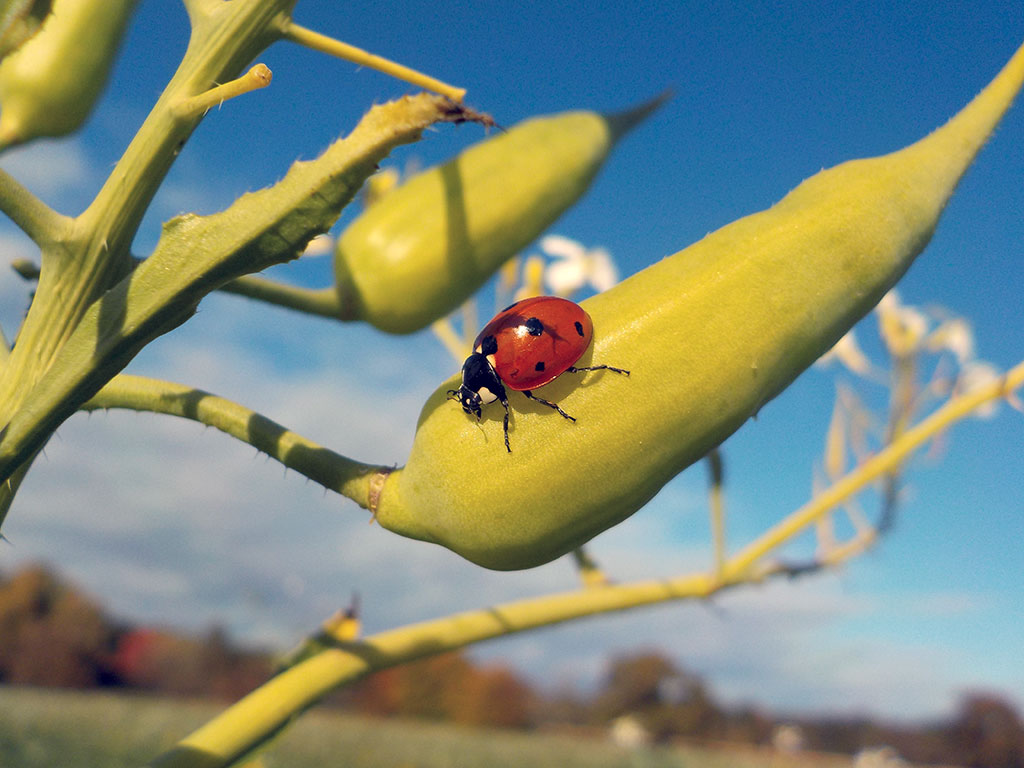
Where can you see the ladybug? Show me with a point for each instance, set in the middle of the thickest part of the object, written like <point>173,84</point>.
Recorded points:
<point>526,345</point>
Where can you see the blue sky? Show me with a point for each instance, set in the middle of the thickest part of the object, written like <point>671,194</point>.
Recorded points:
<point>166,521</point>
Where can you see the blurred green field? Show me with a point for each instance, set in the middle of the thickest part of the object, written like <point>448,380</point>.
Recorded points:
<point>72,729</point>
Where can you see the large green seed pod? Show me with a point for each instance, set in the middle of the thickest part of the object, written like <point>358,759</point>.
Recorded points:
<point>49,85</point>
<point>420,251</point>
<point>710,334</point>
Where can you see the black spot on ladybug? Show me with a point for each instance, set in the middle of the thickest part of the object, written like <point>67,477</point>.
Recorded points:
<point>488,346</point>
<point>579,328</point>
<point>539,366</point>
<point>534,326</point>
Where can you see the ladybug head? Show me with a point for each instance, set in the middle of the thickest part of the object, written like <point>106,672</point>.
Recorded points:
<point>468,399</point>
<point>480,385</point>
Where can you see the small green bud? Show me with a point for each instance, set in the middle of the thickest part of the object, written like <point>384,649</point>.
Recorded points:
<point>49,85</point>
<point>422,249</point>
<point>710,335</point>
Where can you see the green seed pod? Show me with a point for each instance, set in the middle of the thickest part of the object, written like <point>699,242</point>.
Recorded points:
<point>710,334</point>
<point>49,85</point>
<point>428,245</point>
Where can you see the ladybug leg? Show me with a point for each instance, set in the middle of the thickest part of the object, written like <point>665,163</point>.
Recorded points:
<point>504,402</point>
<point>598,368</point>
<point>549,404</point>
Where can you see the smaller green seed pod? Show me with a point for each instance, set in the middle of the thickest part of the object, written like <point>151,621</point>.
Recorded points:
<point>425,247</point>
<point>710,335</point>
<point>50,84</point>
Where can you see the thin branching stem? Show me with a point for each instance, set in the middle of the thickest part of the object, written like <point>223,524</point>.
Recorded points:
<point>258,76</point>
<point>332,470</point>
<point>313,301</point>
<point>716,500</point>
<point>445,332</point>
<point>324,44</point>
<point>34,217</point>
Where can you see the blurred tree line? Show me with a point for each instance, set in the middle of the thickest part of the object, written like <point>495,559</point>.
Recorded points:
<point>53,635</point>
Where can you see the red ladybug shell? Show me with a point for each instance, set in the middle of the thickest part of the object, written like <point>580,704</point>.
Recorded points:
<point>537,340</point>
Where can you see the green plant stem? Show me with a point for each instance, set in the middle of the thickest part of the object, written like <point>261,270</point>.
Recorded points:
<point>716,501</point>
<point>332,47</point>
<point>94,252</point>
<point>321,465</point>
<point>34,217</point>
<point>268,709</point>
<point>314,301</point>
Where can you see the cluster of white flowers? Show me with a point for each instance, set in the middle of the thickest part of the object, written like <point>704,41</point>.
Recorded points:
<point>908,331</point>
<point>574,266</point>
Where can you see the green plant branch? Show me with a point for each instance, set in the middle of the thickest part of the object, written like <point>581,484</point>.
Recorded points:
<point>268,709</point>
<point>716,503</point>
<point>259,76</point>
<point>590,572</point>
<point>313,301</point>
<point>332,47</point>
<point>321,465</point>
<point>30,214</point>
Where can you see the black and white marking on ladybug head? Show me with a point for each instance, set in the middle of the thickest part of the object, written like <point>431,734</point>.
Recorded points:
<point>480,384</point>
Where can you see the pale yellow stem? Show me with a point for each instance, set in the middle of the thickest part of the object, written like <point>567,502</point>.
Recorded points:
<point>590,572</point>
<point>717,504</point>
<point>257,77</point>
<point>883,463</point>
<point>469,322</point>
<point>446,333</point>
<point>332,47</point>
<point>266,710</point>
